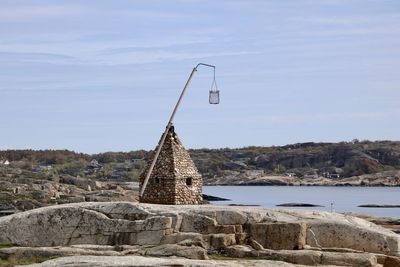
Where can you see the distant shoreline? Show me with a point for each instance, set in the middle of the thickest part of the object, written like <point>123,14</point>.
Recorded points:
<point>302,185</point>
<point>368,180</point>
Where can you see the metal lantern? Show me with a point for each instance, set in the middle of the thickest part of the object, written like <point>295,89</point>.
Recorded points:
<point>214,97</point>
<point>214,92</point>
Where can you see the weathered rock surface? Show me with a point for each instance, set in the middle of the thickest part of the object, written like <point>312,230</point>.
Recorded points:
<point>119,223</point>
<point>89,261</point>
<point>193,232</point>
<point>30,252</point>
<point>391,262</point>
<point>190,252</point>
<point>20,193</point>
<point>392,224</point>
<point>306,257</point>
<point>303,257</point>
<point>286,235</point>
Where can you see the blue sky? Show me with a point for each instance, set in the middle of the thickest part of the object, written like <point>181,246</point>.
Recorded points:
<point>94,76</point>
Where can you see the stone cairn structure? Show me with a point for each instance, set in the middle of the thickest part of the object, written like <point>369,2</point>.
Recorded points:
<point>175,179</point>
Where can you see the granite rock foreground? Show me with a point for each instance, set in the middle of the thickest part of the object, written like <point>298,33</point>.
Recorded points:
<point>110,261</point>
<point>118,229</point>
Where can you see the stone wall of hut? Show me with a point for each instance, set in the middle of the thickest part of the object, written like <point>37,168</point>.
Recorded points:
<point>175,179</point>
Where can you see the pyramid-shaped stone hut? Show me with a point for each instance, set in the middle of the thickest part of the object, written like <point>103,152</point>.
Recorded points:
<point>175,179</point>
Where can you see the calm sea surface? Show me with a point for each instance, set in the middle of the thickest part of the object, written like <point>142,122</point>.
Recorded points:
<point>344,199</point>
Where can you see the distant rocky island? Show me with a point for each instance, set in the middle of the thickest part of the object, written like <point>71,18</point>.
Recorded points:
<point>387,178</point>
<point>356,163</point>
<point>353,163</point>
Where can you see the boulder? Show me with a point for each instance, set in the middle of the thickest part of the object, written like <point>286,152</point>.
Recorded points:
<point>279,235</point>
<point>175,238</point>
<point>197,223</point>
<point>348,259</point>
<point>150,237</point>
<point>52,226</point>
<point>156,223</point>
<point>230,217</point>
<point>220,241</point>
<point>392,262</point>
<point>189,252</point>
<point>345,235</point>
<point>66,225</point>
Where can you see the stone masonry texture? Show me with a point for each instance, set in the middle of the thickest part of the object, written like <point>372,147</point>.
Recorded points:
<point>175,179</point>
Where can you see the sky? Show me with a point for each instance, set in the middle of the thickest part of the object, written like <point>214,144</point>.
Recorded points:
<point>96,76</point>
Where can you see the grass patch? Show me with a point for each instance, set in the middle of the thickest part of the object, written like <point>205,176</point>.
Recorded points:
<point>24,261</point>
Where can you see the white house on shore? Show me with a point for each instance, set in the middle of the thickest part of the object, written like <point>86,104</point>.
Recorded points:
<point>4,162</point>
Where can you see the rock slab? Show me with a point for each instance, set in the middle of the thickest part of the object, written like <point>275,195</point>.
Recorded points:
<point>206,226</point>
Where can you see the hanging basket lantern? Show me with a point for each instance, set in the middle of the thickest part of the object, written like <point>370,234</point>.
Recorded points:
<point>214,92</point>
<point>214,97</point>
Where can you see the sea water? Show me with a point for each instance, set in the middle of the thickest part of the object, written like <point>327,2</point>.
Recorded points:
<point>338,199</point>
